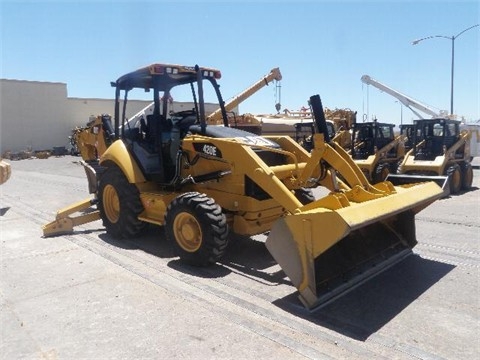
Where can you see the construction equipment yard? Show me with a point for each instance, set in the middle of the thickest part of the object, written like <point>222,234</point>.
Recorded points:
<point>89,296</point>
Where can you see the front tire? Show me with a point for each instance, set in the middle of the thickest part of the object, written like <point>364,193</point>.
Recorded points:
<point>119,204</point>
<point>381,172</point>
<point>197,229</point>
<point>467,176</point>
<point>453,171</point>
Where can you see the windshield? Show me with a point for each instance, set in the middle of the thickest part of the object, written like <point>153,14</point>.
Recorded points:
<point>182,99</point>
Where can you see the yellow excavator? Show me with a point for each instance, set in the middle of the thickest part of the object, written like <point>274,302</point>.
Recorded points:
<point>203,182</point>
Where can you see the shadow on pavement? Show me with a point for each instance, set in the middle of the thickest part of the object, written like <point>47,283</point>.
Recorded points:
<point>357,314</point>
<point>245,256</point>
<point>367,308</point>
<point>152,240</point>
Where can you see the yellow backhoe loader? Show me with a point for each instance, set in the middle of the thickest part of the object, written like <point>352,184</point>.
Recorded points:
<point>202,182</point>
<point>376,150</point>
<point>440,152</point>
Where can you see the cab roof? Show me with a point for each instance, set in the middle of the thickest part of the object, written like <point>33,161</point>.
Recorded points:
<point>437,120</point>
<point>163,76</point>
<point>372,123</point>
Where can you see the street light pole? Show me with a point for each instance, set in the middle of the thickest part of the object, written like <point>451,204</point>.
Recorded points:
<point>452,38</point>
<point>401,111</point>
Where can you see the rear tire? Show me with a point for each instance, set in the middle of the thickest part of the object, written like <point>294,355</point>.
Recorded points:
<point>197,229</point>
<point>119,204</point>
<point>453,171</point>
<point>467,176</point>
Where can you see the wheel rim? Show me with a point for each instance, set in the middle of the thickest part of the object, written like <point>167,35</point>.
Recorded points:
<point>456,178</point>
<point>111,203</point>
<point>187,231</point>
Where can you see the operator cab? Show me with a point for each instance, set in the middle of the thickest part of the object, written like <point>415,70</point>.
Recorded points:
<point>369,137</point>
<point>409,131</point>
<point>434,136</point>
<point>154,138</point>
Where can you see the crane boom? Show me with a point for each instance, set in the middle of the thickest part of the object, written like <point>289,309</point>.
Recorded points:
<point>230,105</point>
<point>404,99</point>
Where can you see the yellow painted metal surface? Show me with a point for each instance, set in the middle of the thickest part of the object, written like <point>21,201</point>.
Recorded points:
<point>118,154</point>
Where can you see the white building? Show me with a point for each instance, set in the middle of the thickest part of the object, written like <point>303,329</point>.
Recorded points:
<point>40,116</point>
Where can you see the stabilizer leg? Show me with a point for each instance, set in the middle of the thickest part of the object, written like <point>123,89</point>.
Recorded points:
<point>63,223</point>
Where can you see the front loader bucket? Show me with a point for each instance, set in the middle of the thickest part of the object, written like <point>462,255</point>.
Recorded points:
<point>325,252</point>
<point>406,179</point>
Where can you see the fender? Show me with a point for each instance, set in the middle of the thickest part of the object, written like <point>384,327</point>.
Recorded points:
<point>120,156</point>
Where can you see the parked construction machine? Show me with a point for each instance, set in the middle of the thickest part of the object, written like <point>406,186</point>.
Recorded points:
<point>202,182</point>
<point>92,140</point>
<point>408,131</point>
<point>5,171</point>
<point>300,125</point>
<point>420,110</point>
<point>376,150</point>
<point>440,152</point>
<point>343,121</point>
<point>246,122</point>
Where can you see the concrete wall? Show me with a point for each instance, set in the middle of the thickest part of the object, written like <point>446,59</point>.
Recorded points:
<point>40,115</point>
<point>80,109</point>
<point>32,115</point>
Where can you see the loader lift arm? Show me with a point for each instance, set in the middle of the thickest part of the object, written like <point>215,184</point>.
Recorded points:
<point>364,228</point>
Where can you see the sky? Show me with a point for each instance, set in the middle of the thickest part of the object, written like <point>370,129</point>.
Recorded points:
<point>321,47</point>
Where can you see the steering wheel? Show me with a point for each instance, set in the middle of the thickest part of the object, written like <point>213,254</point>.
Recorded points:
<point>184,114</point>
<point>184,119</point>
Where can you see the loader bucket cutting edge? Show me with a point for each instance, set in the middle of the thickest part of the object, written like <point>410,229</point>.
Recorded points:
<point>325,253</point>
<point>408,179</point>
